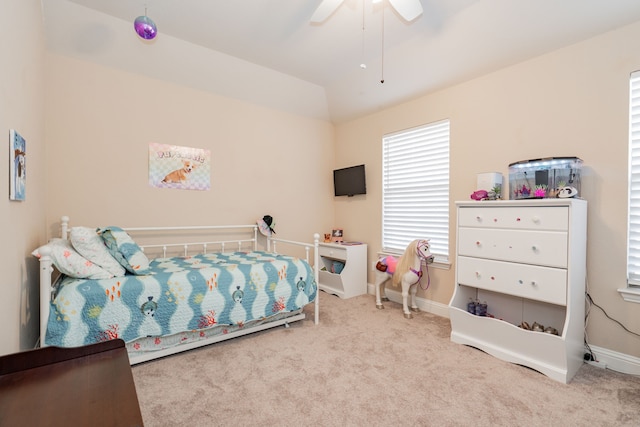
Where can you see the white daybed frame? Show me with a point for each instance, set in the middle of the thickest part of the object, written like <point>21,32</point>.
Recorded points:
<point>47,284</point>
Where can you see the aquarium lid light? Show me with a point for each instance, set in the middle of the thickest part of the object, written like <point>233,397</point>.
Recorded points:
<point>544,162</point>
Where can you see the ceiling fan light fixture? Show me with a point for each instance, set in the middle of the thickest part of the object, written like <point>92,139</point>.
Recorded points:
<point>145,27</point>
<point>407,9</point>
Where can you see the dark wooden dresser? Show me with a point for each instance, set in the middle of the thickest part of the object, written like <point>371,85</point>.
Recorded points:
<point>82,386</point>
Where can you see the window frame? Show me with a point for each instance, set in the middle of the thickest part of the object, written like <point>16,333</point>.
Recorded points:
<point>632,291</point>
<point>404,177</point>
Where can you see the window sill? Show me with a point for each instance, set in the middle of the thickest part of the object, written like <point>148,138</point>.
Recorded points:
<point>441,264</point>
<point>630,294</point>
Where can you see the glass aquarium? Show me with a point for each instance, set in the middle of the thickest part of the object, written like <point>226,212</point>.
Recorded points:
<point>545,178</point>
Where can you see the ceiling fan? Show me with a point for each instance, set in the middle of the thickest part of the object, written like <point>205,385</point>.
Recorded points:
<point>408,9</point>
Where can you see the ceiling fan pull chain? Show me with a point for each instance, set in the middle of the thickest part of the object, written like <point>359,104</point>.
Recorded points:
<point>382,65</point>
<point>363,65</point>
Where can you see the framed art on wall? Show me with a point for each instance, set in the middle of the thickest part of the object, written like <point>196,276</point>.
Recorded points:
<point>172,166</point>
<point>17,166</point>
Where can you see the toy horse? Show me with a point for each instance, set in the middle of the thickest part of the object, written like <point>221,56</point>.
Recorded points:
<point>407,271</point>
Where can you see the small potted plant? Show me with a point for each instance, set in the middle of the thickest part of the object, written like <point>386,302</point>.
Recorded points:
<point>497,190</point>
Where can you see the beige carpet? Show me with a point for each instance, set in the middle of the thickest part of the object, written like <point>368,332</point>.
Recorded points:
<point>368,367</point>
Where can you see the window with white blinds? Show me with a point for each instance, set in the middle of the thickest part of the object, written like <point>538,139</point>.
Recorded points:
<point>415,188</point>
<point>633,231</point>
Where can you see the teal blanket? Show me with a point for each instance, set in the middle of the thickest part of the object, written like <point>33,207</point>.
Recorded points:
<point>180,294</point>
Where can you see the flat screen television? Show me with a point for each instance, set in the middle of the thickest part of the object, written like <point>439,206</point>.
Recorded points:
<point>349,181</point>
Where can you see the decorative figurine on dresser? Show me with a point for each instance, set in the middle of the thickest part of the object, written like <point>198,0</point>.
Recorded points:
<point>521,263</point>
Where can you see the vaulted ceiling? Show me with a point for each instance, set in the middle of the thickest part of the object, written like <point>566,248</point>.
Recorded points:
<point>452,41</point>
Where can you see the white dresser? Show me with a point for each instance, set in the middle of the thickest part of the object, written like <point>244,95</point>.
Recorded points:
<point>352,280</point>
<point>527,260</point>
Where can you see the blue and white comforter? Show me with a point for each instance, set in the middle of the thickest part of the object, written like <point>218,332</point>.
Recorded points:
<point>182,294</point>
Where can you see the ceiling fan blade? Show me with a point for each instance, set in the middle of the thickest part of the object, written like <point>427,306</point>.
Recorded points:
<point>408,9</point>
<point>325,9</point>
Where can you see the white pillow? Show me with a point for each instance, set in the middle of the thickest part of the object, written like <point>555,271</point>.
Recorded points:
<point>90,245</point>
<point>71,263</point>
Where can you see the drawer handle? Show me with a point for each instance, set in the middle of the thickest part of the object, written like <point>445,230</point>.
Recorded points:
<point>479,218</point>
<point>534,248</point>
<point>478,243</point>
<point>534,283</point>
<point>535,219</point>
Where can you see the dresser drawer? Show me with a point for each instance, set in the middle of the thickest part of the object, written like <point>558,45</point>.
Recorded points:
<point>548,248</point>
<point>332,251</point>
<point>530,218</point>
<point>527,281</point>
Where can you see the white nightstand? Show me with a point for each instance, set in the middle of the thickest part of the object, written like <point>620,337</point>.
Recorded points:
<point>352,280</point>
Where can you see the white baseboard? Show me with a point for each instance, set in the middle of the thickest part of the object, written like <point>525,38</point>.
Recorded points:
<point>605,358</point>
<point>427,305</point>
<point>619,362</point>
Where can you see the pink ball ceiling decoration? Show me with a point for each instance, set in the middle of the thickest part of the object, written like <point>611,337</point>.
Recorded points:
<point>145,27</point>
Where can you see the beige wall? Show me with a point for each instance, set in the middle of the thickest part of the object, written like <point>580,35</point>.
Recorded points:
<point>572,102</point>
<point>22,224</point>
<point>100,122</point>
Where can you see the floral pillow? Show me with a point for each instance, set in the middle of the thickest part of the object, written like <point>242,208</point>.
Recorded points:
<point>90,245</point>
<point>125,250</point>
<point>71,263</point>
